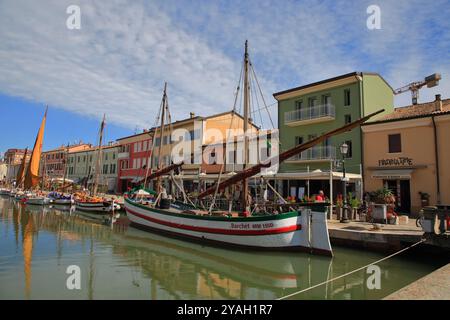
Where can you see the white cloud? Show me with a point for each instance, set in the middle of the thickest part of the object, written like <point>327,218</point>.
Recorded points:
<point>116,64</point>
<point>118,61</point>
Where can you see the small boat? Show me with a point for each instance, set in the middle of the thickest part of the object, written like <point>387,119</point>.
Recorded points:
<point>21,195</point>
<point>37,200</point>
<point>61,199</point>
<point>97,205</point>
<point>4,192</point>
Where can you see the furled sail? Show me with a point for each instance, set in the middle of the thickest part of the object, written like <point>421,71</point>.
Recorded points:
<point>21,173</point>
<point>32,173</point>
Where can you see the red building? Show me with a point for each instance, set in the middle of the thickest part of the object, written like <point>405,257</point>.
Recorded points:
<point>133,158</point>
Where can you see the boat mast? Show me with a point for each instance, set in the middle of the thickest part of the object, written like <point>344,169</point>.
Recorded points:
<point>246,116</point>
<point>99,154</point>
<point>161,134</point>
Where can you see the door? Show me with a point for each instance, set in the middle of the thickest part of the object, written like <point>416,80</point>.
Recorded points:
<point>404,197</point>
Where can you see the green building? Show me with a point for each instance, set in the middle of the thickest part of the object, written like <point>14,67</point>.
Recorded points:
<point>308,111</point>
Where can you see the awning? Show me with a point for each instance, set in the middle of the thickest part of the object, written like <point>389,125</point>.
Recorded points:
<point>392,174</point>
<point>313,175</point>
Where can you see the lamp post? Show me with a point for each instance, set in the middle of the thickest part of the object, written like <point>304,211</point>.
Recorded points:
<point>344,149</point>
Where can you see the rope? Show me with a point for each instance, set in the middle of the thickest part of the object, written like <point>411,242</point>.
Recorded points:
<point>351,272</point>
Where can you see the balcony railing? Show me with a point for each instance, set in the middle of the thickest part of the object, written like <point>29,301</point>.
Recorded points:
<point>325,112</point>
<point>317,153</point>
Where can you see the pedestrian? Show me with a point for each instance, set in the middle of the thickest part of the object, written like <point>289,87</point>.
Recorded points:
<point>320,197</point>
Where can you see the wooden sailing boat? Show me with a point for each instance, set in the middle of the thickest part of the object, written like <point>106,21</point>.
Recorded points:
<point>94,203</point>
<point>31,181</point>
<point>297,227</point>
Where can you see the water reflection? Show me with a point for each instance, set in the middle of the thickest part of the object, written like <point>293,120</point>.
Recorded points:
<point>123,262</point>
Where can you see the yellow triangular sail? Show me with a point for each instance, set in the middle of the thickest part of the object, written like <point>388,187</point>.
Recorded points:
<point>32,174</point>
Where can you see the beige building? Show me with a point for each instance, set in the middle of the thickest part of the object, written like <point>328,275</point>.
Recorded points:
<point>195,133</point>
<point>81,167</point>
<point>408,151</point>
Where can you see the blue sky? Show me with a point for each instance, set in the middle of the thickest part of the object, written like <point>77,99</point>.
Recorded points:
<point>125,50</point>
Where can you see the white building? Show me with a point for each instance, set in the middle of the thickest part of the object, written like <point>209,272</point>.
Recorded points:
<point>81,167</point>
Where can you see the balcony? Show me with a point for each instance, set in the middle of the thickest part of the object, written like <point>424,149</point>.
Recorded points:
<point>315,154</point>
<point>123,155</point>
<point>321,113</point>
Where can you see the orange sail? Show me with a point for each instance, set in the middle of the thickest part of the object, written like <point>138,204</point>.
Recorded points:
<point>32,174</point>
<point>21,172</point>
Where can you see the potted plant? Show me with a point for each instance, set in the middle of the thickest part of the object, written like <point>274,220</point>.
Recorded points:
<point>354,204</point>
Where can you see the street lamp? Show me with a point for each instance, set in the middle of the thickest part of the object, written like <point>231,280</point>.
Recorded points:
<point>344,149</point>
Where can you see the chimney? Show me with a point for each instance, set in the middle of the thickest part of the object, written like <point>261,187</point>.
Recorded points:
<point>192,114</point>
<point>438,103</point>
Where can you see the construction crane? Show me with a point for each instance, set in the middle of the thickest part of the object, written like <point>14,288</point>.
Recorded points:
<point>430,81</point>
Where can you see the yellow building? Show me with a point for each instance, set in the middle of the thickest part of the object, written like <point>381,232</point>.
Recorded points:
<point>408,152</point>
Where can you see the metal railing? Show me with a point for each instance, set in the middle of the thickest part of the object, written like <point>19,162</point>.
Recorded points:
<point>310,113</point>
<point>316,153</point>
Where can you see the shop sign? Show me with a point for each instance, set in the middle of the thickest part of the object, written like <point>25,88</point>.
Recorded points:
<point>401,161</point>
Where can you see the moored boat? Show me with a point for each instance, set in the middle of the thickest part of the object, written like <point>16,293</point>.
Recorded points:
<point>37,200</point>
<point>4,192</point>
<point>96,205</point>
<point>289,230</point>
<point>61,199</point>
<point>277,226</point>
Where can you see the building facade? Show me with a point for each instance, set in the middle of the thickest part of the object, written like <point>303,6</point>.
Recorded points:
<point>407,152</point>
<point>308,111</point>
<point>191,135</point>
<point>81,167</point>
<point>13,159</point>
<point>53,162</point>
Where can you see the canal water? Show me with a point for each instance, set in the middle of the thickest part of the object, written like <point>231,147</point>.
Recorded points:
<point>38,244</point>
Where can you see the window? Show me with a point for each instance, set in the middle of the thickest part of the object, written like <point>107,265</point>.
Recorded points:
<point>105,169</point>
<point>112,168</point>
<point>326,100</point>
<point>350,150</point>
<point>157,141</point>
<point>298,105</point>
<point>106,157</point>
<point>312,102</point>
<point>298,140</point>
<point>114,156</point>
<point>395,143</point>
<point>134,164</point>
<point>346,97</point>
<point>78,160</point>
<point>144,145</point>
<point>347,118</point>
<point>90,158</point>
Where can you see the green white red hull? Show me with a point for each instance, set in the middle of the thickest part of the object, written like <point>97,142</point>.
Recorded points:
<point>303,230</point>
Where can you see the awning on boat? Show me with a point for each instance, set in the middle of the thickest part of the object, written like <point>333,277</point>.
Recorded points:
<point>392,174</point>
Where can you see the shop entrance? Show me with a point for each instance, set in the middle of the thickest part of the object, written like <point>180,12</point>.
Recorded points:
<point>402,191</point>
